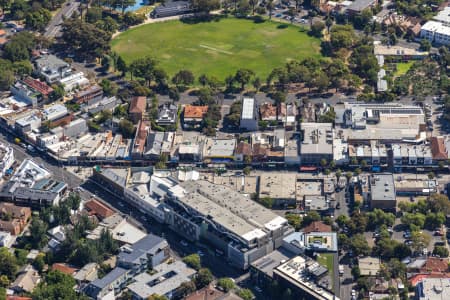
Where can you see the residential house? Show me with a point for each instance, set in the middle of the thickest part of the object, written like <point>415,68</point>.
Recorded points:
<point>140,139</point>
<point>90,95</point>
<point>148,252</point>
<point>438,149</point>
<point>243,152</point>
<point>193,115</point>
<point>268,112</point>
<point>13,219</point>
<point>165,281</point>
<point>52,68</point>
<point>138,108</point>
<point>167,115</point>
<point>64,268</point>
<point>358,6</point>
<point>97,208</point>
<point>28,278</point>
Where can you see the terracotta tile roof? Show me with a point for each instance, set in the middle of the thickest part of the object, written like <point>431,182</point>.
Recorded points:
<point>38,85</point>
<point>419,277</point>
<point>141,136</point>
<point>138,104</point>
<point>438,148</point>
<point>317,226</point>
<point>97,208</point>
<point>63,268</point>
<point>435,265</point>
<point>17,298</point>
<point>259,150</point>
<point>267,111</point>
<point>2,32</point>
<point>207,293</point>
<point>192,111</point>
<point>243,148</point>
<point>282,111</point>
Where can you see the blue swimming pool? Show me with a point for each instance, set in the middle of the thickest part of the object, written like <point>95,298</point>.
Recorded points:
<point>138,4</point>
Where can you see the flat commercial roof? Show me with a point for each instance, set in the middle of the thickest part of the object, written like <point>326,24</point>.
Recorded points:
<point>248,108</point>
<point>382,187</point>
<point>294,271</point>
<point>268,263</point>
<point>317,138</point>
<point>235,212</point>
<point>278,185</point>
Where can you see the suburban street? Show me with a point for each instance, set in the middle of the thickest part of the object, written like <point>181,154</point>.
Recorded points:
<point>58,170</point>
<point>54,27</point>
<point>217,264</point>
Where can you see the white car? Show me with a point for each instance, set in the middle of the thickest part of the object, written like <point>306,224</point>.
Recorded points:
<point>353,293</point>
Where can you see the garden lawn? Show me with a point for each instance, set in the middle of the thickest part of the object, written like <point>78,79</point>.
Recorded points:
<point>403,67</point>
<point>219,47</point>
<point>327,260</point>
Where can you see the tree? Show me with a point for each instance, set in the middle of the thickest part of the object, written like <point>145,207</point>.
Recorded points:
<point>157,297</point>
<point>20,46</point>
<point>144,68</point>
<point>270,6</point>
<point>85,38</point>
<point>378,217</point>
<point>266,202</point>
<point>439,203</point>
<point>9,265</point>
<point>193,261</point>
<point>57,285</point>
<point>38,233</point>
<point>205,6</point>
<point>6,79</point>
<point>226,284</point>
<point>245,294</point>
<point>416,219</point>
<point>294,220</point>
<point>109,87</point>
<point>126,128</point>
<point>203,278</point>
<point>419,240</point>
<point>74,201</point>
<point>122,66</point>
<point>186,288</point>
<point>425,45</point>
<point>183,78</point>
<point>253,4</point>
<point>317,29</point>
<point>312,216</point>
<point>440,251</point>
<point>279,97</point>
<point>247,170</point>
<point>359,245</point>
<point>243,76</point>
<point>323,162</point>
<point>38,20</point>
<point>174,94</point>
<point>107,24</point>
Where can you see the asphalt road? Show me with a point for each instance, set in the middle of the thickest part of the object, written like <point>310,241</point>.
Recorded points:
<point>54,27</point>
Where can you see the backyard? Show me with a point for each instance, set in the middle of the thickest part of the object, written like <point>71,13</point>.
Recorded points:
<point>218,47</point>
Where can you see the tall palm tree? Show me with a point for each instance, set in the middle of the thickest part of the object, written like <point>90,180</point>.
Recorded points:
<point>270,7</point>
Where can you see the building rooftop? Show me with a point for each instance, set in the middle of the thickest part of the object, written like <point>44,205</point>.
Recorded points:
<point>438,149</point>
<point>268,111</point>
<point>295,272</point>
<point>268,263</point>
<point>109,278</point>
<point>30,172</point>
<point>317,138</point>
<point>166,278</point>
<point>220,147</point>
<point>317,226</point>
<point>369,266</point>
<point>277,185</point>
<point>434,289</point>
<point>138,104</point>
<point>235,212</point>
<point>195,111</point>
<point>396,50</point>
<point>55,111</point>
<point>382,187</point>
<point>98,208</point>
<point>436,27</point>
<point>248,108</point>
<point>51,63</point>
<point>150,244</point>
<point>360,5</point>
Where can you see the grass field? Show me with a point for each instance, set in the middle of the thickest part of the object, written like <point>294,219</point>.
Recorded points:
<point>218,47</point>
<point>327,260</point>
<point>403,67</point>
